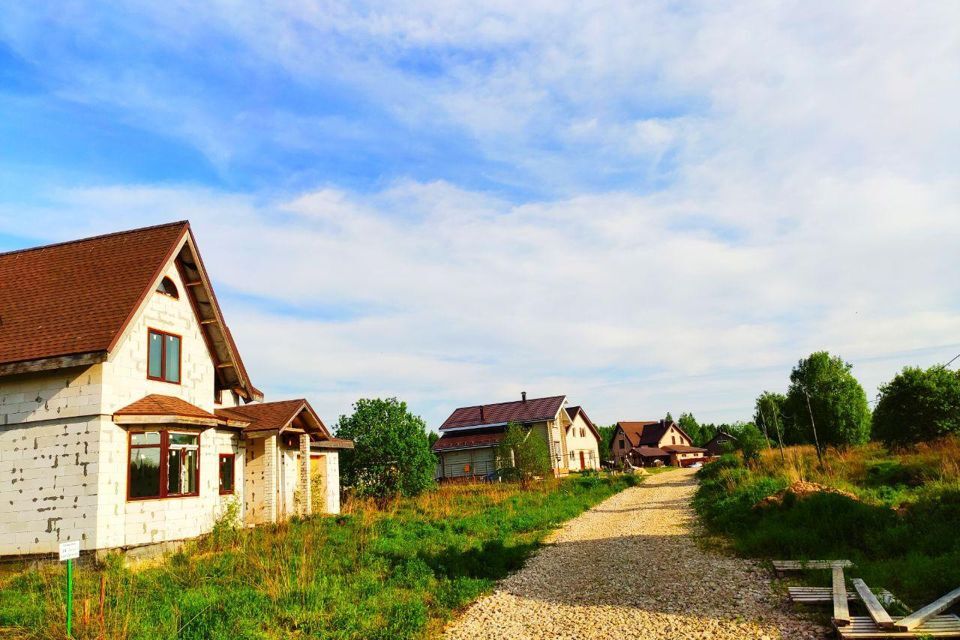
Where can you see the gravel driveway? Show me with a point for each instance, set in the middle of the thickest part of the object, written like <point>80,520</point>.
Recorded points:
<point>629,568</point>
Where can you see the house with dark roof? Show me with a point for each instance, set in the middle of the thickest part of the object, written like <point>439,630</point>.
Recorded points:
<point>582,441</point>
<point>652,442</point>
<point>470,436</point>
<point>127,416</point>
<point>720,443</point>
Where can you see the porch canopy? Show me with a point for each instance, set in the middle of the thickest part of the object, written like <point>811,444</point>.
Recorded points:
<point>286,417</point>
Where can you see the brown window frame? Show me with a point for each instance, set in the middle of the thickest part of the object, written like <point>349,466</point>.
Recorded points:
<point>621,444</point>
<point>163,356</point>
<point>233,458</point>
<point>164,457</point>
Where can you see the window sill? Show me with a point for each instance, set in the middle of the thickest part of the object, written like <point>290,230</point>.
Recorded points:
<point>174,497</point>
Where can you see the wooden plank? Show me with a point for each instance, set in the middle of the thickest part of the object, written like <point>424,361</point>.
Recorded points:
<point>874,608</point>
<point>841,611</point>
<point>825,594</point>
<point>801,565</point>
<point>916,618</point>
<point>864,628</point>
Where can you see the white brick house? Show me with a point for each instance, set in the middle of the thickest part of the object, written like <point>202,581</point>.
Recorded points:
<point>126,414</point>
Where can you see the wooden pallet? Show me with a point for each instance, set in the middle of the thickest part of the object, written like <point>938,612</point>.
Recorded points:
<point>937,627</point>
<point>817,595</point>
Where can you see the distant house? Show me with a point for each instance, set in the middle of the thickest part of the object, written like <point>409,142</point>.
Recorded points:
<point>470,436</point>
<point>583,441</point>
<point>127,416</point>
<point>646,443</point>
<point>719,443</point>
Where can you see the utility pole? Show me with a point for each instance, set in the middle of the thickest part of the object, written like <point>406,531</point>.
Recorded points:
<point>816,440</point>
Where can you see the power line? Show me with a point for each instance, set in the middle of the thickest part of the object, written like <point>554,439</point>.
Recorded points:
<point>951,360</point>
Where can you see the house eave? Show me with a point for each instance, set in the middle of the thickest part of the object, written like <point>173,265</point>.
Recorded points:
<point>124,420</point>
<point>53,363</point>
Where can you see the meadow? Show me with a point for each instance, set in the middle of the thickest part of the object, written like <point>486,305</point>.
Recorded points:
<point>897,519</point>
<point>395,572</point>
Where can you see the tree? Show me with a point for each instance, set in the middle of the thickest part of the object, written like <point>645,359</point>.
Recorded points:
<point>689,424</point>
<point>826,401</point>
<point>918,405</point>
<point>606,435</point>
<point>750,442</point>
<point>524,451</point>
<point>668,418</point>
<point>391,455</point>
<point>432,438</point>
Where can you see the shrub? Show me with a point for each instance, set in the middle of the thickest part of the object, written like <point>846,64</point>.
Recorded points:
<point>525,451</point>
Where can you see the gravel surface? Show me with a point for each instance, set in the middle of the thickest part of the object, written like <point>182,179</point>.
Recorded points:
<point>629,568</point>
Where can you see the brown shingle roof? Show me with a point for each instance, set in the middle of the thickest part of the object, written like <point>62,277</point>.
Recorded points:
<point>682,448</point>
<point>76,297</point>
<point>650,452</point>
<point>531,410</point>
<point>160,405</point>
<point>639,434</point>
<point>264,416</point>
<point>470,440</point>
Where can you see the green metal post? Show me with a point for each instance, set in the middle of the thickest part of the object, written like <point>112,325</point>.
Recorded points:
<point>69,597</point>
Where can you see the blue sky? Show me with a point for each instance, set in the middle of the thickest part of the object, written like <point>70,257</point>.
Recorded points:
<point>646,206</point>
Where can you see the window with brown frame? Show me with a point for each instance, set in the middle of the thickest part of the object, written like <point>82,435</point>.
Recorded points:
<point>163,464</point>
<point>163,356</point>
<point>621,444</point>
<point>227,473</point>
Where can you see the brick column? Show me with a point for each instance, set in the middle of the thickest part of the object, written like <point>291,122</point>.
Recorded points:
<point>307,507</point>
<point>270,477</point>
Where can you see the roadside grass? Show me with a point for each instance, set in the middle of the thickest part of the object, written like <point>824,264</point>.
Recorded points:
<point>901,531</point>
<point>398,572</point>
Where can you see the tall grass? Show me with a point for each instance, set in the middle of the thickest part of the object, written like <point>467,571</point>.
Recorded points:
<point>398,572</point>
<point>901,530</point>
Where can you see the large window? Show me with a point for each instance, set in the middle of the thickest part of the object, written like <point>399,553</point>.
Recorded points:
<point>163,356</point>
<point>227,467</point>
<point>164,465</point>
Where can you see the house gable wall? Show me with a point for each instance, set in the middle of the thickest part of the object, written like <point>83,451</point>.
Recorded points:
<point>587,443</point>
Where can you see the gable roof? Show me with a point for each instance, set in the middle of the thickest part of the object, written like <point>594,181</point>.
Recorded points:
<point>648,433</point>
<point>573,411</point>
<point>277,416</point>
<point>76,297</point>
<point>68,304</point>
<point>522,411</point>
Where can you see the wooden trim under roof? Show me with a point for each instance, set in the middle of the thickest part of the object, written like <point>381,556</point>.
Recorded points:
<point>229,369</point>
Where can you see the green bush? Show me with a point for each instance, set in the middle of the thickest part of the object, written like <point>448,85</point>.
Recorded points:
<point>918,405</point>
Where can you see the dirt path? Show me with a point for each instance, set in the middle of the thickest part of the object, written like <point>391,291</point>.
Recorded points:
<point>629,568</point>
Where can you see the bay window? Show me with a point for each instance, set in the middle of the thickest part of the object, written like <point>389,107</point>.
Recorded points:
<point>163,464</point>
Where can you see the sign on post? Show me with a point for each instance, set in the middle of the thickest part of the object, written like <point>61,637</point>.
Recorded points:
<point>69,551</point>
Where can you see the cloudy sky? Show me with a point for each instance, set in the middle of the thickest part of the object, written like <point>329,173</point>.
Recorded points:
<point>647,206</point>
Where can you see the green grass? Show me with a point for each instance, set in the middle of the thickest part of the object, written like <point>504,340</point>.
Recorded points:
<point>901,531</point>
<point>394,573</point>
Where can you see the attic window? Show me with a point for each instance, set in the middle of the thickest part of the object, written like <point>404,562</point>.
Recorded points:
<point>168,288</point>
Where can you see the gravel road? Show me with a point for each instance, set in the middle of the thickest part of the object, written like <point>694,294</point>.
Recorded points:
<point>630,568</point>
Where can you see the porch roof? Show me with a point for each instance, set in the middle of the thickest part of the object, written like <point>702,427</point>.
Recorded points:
<point>650,452</point>
<point>161,409</point>
<point>284,416</point>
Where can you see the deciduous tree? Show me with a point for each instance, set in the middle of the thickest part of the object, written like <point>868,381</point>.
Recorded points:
<point>826,401</point>
<point>525,452</point>
<point>918,405</point>
<point>391,455</point>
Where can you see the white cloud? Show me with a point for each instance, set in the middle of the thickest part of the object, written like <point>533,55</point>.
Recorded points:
<point>785,181</point>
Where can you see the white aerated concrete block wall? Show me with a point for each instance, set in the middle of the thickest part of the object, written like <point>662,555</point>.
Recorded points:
<point>48,485</point>
<point>125,372</point>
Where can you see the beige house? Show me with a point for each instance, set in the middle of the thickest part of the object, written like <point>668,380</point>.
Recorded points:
<point>583,441</point>
<point>470,436</point>
<point>648,443</point>
<point>127,416</point>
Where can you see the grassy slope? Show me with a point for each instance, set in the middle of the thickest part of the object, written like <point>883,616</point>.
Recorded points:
<point>398,573</point>
<point>901,532</point>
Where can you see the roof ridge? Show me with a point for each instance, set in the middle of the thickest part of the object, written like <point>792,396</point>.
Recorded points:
<point>98,237</point>
<point>494,404</point>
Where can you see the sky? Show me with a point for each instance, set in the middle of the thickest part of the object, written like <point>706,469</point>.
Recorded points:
<point>644,206</point>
